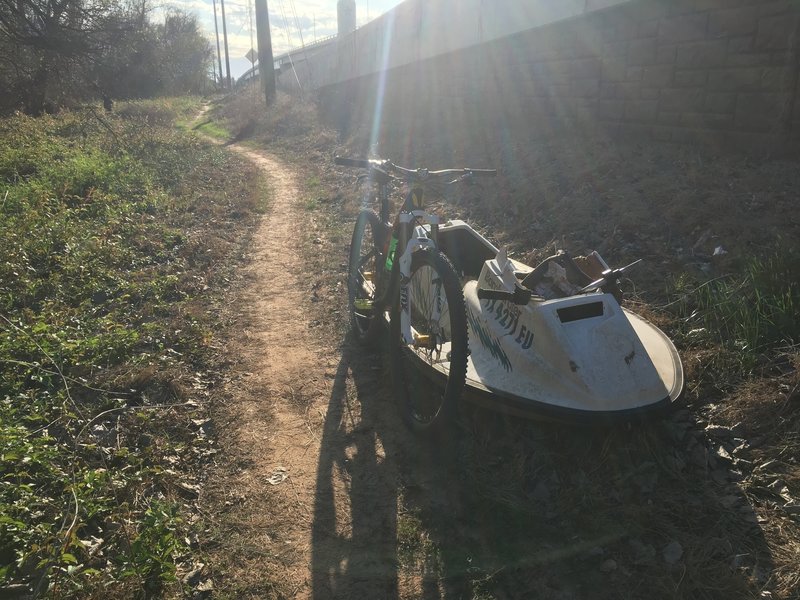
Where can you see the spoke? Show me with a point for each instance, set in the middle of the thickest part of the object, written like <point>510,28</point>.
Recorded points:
<point>366,258</point>
<point>426,299</point>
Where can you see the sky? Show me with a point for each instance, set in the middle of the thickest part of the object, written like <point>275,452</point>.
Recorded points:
<point>288,20</point>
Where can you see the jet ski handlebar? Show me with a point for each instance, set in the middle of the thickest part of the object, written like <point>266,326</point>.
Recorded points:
<point>519,296</point>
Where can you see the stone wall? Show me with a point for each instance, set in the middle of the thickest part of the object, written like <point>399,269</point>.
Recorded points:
<point>718,72</point>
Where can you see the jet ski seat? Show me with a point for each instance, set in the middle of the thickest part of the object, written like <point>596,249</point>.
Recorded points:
<point>556,276</point>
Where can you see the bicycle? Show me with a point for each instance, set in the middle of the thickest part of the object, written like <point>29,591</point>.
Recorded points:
<point>398,273</point>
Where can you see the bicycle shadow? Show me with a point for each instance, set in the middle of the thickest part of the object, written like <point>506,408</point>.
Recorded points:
<point>354,555</point>
<point>513,509</point>
<point>366,452</point>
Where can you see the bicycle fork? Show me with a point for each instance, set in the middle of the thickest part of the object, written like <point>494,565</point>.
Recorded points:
<point>419,241</point>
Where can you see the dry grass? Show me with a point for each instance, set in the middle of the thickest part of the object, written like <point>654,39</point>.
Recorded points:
<point>522,509</point>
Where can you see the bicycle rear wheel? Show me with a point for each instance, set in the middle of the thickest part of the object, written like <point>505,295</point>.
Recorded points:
<point>364,271</point>
<point>428,375</point>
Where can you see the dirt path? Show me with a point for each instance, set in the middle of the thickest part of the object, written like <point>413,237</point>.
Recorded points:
<point>319,492</point>
<point>304,495</point>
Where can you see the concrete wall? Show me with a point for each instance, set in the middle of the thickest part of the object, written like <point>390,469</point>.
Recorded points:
<point>722,72</point>
<point>420,29</point>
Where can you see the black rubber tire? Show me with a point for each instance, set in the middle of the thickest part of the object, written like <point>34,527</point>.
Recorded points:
<point>365,255</point>
<point>427,398</point>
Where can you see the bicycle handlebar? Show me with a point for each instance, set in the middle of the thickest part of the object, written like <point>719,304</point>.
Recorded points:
<point>359,163</point>
<point>406,173</point>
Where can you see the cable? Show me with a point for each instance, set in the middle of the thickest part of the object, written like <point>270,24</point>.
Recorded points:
<point>302,43</point>
<point>289,43</point>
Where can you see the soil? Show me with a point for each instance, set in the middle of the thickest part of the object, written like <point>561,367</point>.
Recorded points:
<point>304,485</point>
<point>320,492</point>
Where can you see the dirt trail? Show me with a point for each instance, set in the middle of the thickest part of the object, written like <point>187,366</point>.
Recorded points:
<point>303,494</point>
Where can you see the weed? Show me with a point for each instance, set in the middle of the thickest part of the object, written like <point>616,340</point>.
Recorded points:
<point>213,129</point>
<point>113,230</point>
<point>751,314</point>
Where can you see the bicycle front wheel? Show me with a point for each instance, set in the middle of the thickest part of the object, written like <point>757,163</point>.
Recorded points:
<point>428,374</point>
<point>364,270</point>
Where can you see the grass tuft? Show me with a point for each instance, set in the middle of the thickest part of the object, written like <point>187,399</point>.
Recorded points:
<point>753,313</point>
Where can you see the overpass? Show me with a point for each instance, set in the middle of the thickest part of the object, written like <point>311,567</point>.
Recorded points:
<point>417,30</point>
<point>294,57</point>
<point>719,72</point>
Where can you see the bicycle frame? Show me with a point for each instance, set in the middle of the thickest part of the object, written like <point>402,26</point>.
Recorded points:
<point>410,237</point>
<point>407,233</point>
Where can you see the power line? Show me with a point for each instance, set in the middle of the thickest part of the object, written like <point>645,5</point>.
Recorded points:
<point>289,43</point>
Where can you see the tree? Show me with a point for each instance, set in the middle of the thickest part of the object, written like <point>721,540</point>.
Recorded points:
<point>56,51</point>
<point>186,54</point>
<point>47,41</point>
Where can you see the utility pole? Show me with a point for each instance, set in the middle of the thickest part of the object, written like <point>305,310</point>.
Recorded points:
<point>225,39</point>
<point>216,31</point>
<point>266,66</point>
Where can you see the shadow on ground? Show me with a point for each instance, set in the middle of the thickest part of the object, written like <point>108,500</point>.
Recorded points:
<point>354,553</point>
<point>519,509</point>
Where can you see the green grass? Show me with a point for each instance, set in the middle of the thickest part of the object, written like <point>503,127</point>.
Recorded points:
<point>751,314</point>
<point>163,111</point>
<point>213,129</point>
<point>114,230</point>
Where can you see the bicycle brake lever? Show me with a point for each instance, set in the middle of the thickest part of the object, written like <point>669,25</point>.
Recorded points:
<point>468,178</point>
<point>519,296</point>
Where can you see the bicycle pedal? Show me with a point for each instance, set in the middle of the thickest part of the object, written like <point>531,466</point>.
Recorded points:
<point>368,276</point>
<point>363,304</point>
<point>424,341</point>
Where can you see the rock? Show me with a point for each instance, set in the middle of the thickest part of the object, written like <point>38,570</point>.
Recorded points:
<point>702,239</point>
<point>741,445</point>
<point>188,490</point>
<point>719,432</point>
<point>778,486</point>
<point>278,476</point>
<point>723,454</point>
<point>608,566</point>
<point>92,545</point>
<point>720,476</point>
<point>192,578</point>
<point>699,457</point>
<point>793,508</point>
<point>647,481</point>
<point>672,552</point>
<point>677,462</point>
<point>642,553</point>
<point>739,430</point>
<point>206,586</point>
<point>739,561</point>
<point>766,465</point>
<point>682,416</point>
<point>677,431</point>
<point>541,492</point>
